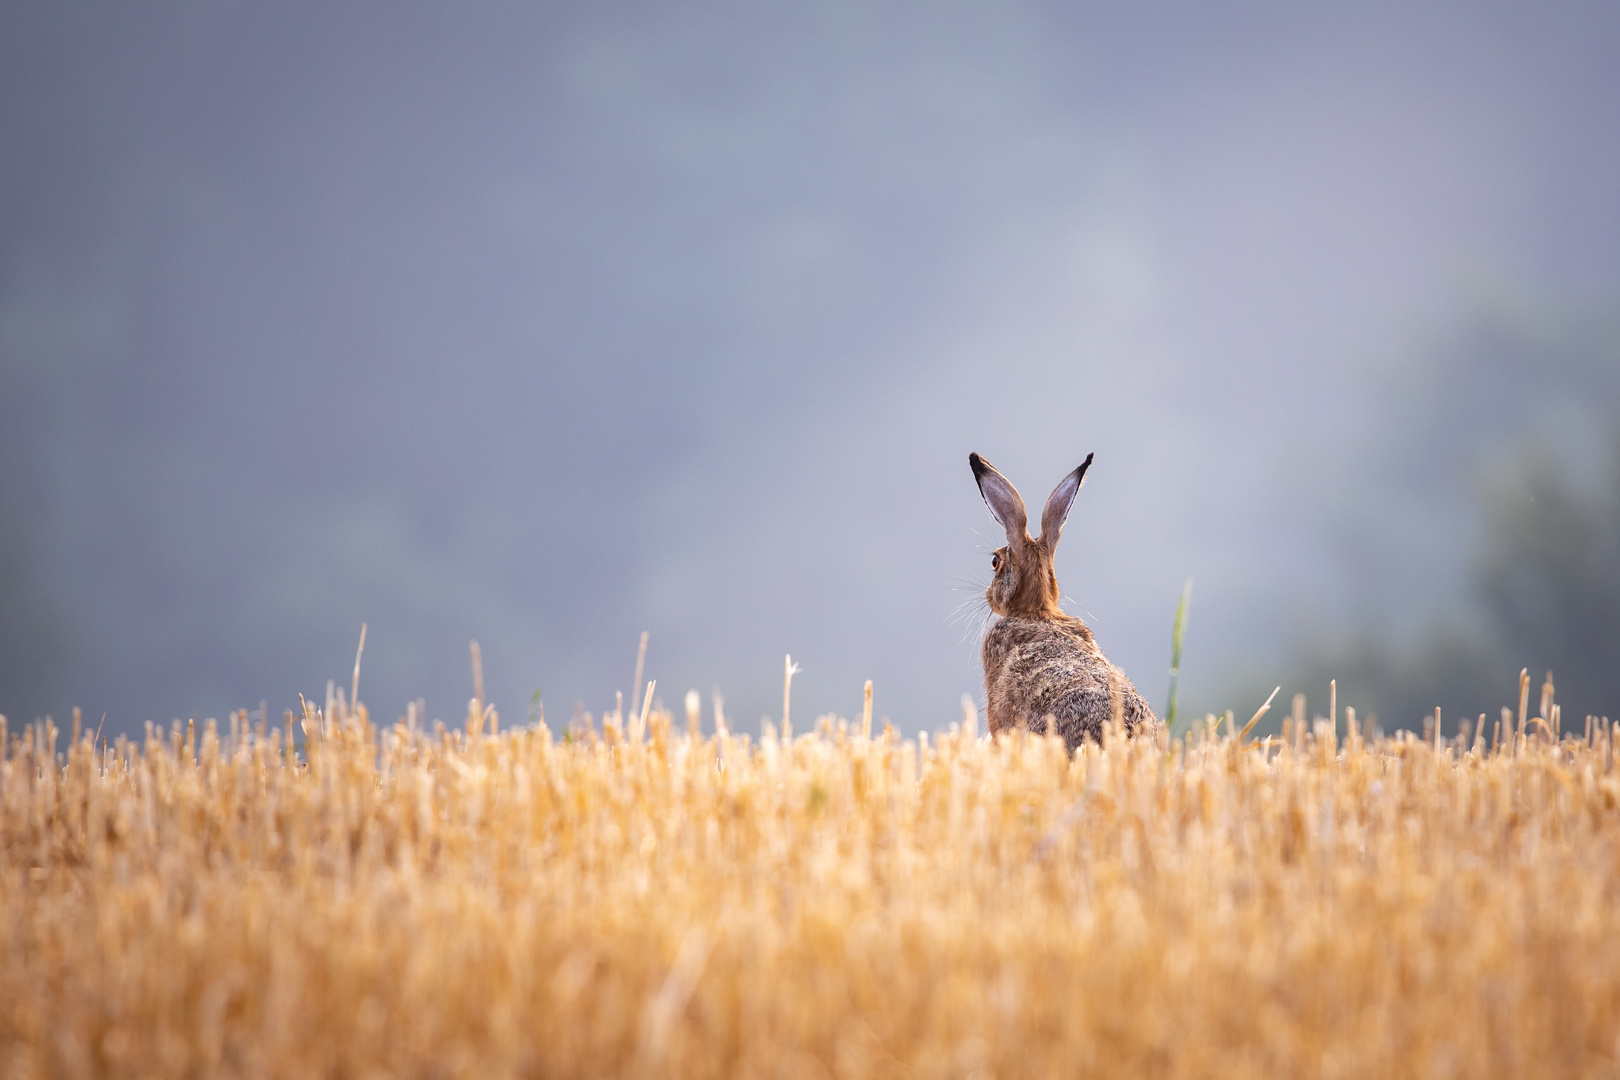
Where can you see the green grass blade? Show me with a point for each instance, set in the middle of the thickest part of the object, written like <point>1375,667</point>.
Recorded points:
<point>1177,632</point>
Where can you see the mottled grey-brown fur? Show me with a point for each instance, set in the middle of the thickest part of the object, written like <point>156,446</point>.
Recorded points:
<point>1039,668</point>
<point>1041,665</point>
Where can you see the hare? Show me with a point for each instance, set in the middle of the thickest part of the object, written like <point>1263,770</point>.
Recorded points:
<point>1040,664</point>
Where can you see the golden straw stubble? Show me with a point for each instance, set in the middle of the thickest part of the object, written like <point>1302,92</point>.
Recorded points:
<point>835,905</point>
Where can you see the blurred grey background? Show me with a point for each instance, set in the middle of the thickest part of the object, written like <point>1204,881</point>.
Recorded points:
<point>548,324</point>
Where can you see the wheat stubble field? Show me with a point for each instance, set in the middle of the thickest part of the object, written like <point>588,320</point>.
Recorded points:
<point>644,901</point>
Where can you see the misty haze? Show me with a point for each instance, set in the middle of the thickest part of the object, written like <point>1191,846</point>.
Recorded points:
<point>546,326</point>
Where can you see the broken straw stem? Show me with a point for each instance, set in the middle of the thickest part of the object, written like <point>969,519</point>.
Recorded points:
<point>354,687</point>
<point>789,669</point>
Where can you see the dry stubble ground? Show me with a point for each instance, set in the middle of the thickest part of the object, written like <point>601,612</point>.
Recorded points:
<point>648,903</point>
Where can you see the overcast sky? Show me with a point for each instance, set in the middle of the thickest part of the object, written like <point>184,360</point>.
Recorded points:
<point>545,326</point>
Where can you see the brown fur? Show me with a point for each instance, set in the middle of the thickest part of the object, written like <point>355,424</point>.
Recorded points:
<point>1040,664</point>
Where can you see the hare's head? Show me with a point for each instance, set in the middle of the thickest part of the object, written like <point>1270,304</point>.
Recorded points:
<point>1025,583</point>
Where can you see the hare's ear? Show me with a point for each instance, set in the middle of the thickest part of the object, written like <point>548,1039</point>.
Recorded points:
<point>1005,504</point>
<point>1058,503</point>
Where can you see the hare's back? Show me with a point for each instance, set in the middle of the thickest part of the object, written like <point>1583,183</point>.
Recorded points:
<point>1046,657</point>
<point>1042,668</point>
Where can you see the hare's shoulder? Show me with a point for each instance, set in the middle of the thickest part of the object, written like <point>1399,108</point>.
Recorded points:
<point>1016,632</point>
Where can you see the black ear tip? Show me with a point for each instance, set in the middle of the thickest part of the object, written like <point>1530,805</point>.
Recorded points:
<point>1084,465</point>
<point>976,463</point>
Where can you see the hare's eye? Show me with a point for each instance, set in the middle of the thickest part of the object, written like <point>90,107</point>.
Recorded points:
<point>995,561</point>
